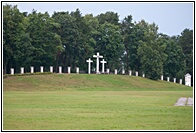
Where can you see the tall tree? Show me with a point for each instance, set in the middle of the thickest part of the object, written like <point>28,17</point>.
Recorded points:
<point>41,29</point>
<point>89,38</point>
<point>151,52</point>
<point>16,41</point>
<point>132,33</point>
<point>186,42</point>
<point>109,44</point>
<point>126,31</point>
<point>69,36</point>
<point>8,35</point>
<point>174,66</point>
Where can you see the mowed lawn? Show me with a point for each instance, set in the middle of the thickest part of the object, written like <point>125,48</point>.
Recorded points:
<point>93,102</point>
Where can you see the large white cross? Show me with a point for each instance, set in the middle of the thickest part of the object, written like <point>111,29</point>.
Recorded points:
<point>89,65</point>
<point>97,56</point>
<point>103,62</point>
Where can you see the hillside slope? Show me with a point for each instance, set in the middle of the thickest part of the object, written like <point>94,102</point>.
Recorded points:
<point>88,82</point>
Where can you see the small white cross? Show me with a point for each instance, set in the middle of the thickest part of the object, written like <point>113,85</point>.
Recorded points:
<point>89,65</point>
<point>103,62</point>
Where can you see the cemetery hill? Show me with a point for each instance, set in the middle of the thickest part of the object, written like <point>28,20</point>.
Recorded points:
<point>70,71</point>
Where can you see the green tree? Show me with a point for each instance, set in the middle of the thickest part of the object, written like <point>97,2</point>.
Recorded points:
<point>186,42</point>
<point>44,40</point>
<point>8,35</point>
<point>91,25</point>
<point>16,41</point>
<point>132,34</point>
<point>59,49</point>
<point>109,40</point>
<point>126,31</point>
<point>151,52</point>
<point>109,44</point>
<point>69,36</point>
<point>86,27</point>
<point>109,17</point>
<point>174,66</point>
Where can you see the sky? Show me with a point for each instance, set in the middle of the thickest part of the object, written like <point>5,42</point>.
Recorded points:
<point>171,17</point>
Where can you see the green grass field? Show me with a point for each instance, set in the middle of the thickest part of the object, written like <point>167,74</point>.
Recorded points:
<point>93,102</point>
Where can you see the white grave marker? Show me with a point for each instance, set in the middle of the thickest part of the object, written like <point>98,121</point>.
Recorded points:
<point>174,80</point>
<point>167,79</point>
<point>12,71</point>
<point>130,72</point>
<point>60,69</point>
<point>123,71</point>
<point>180,81</point>
<point>103,62</point>
<point>32,69</point>
<point>77,70</point>
<point>115,71</point>
<point>97,56</point>
<point>51,69</point>
<point>69,70</point>
<point>108,71</point>
<point>136,73</point>
<point>41,69</point>
<point>143,75</point>
<point>161,77</point>
<point>22,70</point>
<point>188,79</point>
<point>89,65</point>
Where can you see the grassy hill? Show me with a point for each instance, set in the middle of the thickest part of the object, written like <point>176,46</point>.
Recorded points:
<point>88,82</point>
<point>93,102</point>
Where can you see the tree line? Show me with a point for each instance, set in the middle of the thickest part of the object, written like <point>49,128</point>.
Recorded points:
<point>69,38</point>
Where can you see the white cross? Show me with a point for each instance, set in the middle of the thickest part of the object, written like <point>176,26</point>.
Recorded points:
<point>103,62</point>
<point>89,65</point>
<point>97,56</point>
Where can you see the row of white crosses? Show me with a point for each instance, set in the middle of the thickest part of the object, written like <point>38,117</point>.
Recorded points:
<point>97,66</point>
<point>42,70</point>
<point>187,79</point>
<point>168,79</point>
<point>187,76</point>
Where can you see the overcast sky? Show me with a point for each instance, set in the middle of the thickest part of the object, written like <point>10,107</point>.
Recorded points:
<point>171,18</point>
